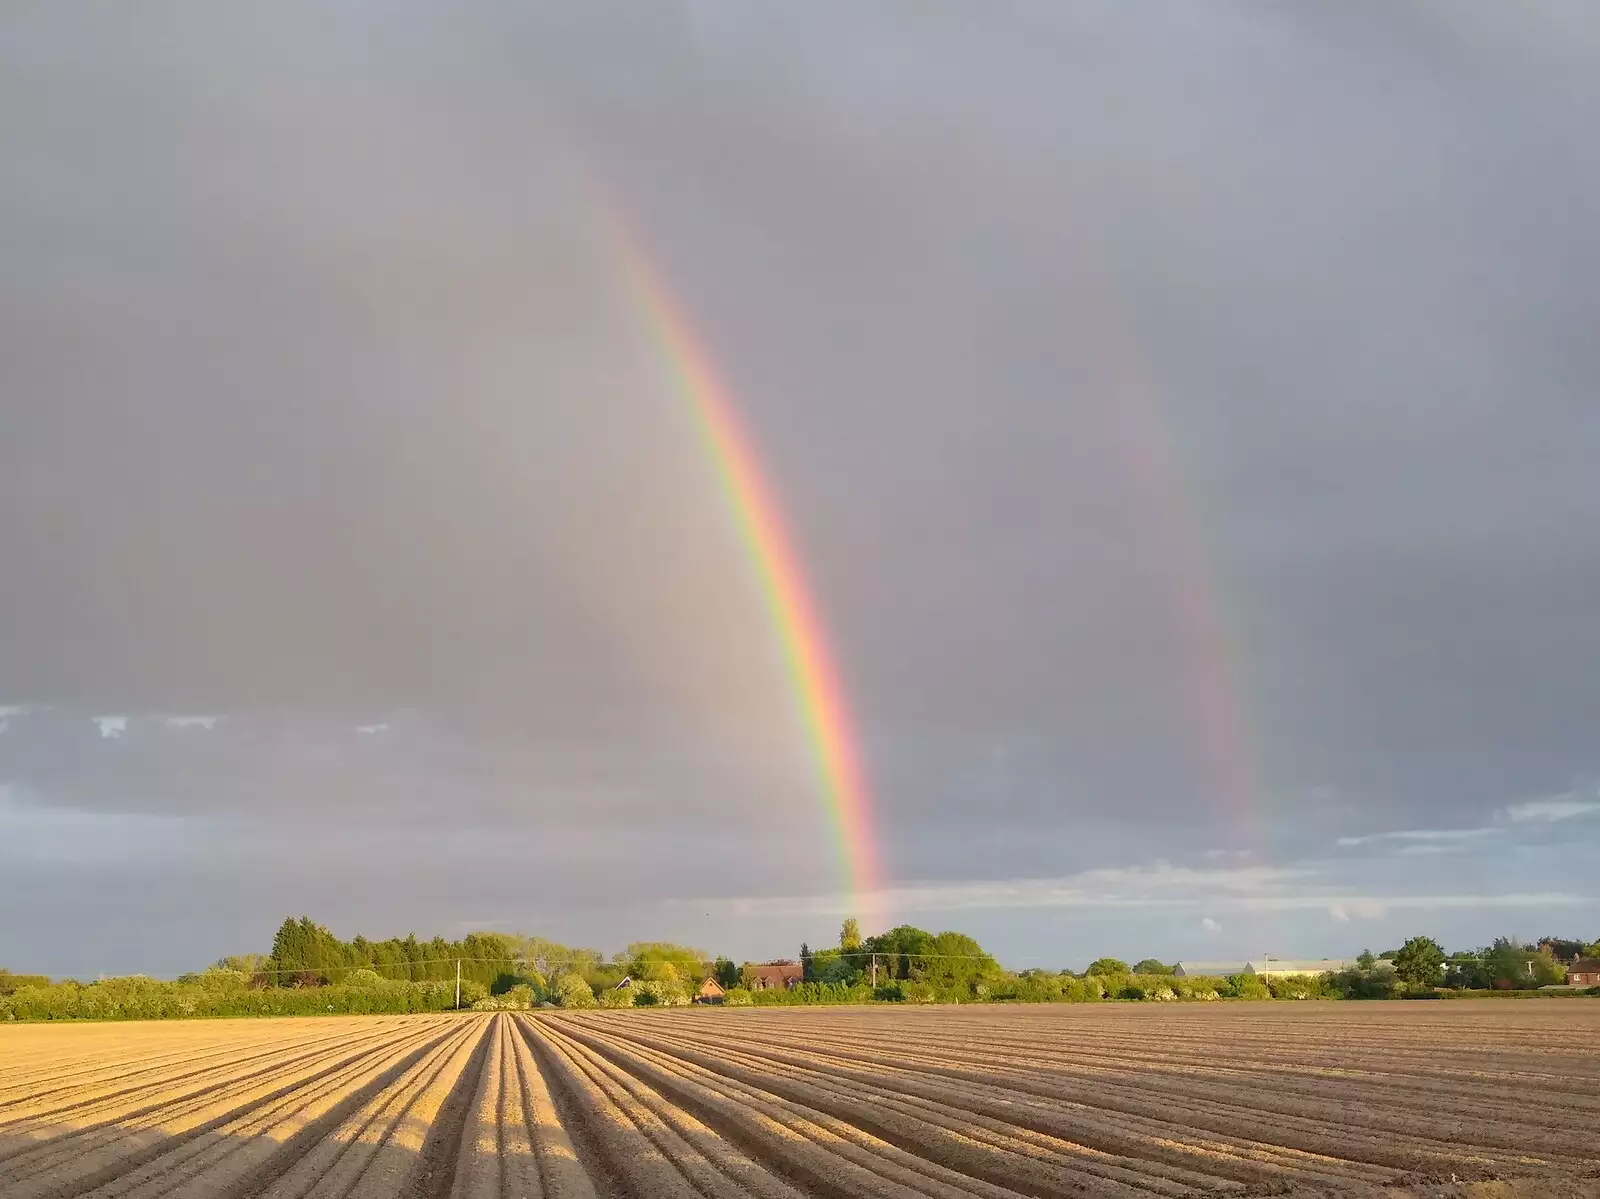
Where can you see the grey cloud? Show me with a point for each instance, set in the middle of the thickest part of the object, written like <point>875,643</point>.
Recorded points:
<point>1184,416</point>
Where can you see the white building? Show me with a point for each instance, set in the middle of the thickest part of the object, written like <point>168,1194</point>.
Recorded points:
<point>1269,967</point>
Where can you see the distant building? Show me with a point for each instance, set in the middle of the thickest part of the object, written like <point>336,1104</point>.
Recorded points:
<point>774,976</point>
<point>1279,968</point>
<point>1210,969</point>
<point>1584,972</point>
<point>710,991</point>
<point>1270,967</point>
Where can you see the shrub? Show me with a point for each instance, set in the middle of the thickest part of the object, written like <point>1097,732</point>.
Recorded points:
<point>617,997</point>
<point>1295,986</point>
<point>664,992</point>
<point>919,992</point>
<point>736,997</point>
<point>1248,986</point>
<point>572,992</point>
<point>517,999</point>
<point>1147,986</point>
<point>1199,987</point>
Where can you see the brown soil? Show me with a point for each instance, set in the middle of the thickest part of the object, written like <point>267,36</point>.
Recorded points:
<point>1408,1101</point>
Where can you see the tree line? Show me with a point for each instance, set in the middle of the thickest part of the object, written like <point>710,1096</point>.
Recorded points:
<point>310,971</point>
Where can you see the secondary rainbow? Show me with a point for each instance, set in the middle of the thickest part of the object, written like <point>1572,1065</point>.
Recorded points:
<point>809,663</point>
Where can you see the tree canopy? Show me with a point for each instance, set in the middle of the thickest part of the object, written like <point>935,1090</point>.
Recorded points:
<point>1420,962</point>
<point>1108,966</point>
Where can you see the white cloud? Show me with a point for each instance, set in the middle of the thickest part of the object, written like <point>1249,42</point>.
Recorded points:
<point>372,730</point>
<point>1245,889</point>
<point>1210,925</point>
<point>1562,807</point>
<point>1433,848</point>
<point>111,727</point>
<point>7,711</point>
<point>191,722</point>
<point>1424,835</point>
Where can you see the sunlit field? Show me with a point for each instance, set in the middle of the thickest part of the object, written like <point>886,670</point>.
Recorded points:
<point>1314,1098</point>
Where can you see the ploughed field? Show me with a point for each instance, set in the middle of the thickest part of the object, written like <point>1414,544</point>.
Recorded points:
<point>1115,1100</point>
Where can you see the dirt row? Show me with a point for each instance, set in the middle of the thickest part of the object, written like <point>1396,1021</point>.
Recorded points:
<point>1039,1101</point>
<point>882,1103</point>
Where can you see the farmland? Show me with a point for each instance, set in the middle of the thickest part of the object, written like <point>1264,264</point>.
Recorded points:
<point>1114,1100</point>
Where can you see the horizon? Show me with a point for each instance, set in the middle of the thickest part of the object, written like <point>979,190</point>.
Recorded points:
<point>1091,477</point>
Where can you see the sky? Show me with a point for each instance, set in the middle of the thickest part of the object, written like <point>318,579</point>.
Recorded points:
<point>1183,416</point>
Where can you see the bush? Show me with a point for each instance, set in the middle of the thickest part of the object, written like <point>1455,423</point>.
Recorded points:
<point>617,997</point>
<point>517,999</point>
<point>1296,986</point>
<point>1247,986</point>
<point>139,998</point>
<point>736,997</point>
<point>1361,983</point>
<point>572,992</point>
<point>662,992</point>
<point>1147,986</point>
<point>1200,987</point>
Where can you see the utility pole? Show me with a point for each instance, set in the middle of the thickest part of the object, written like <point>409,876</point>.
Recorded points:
<point>874,971</point>
<point>458,984</point>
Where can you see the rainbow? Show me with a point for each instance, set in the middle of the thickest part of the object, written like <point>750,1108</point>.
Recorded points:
<point>819,697</point>
<point>1210,687</point>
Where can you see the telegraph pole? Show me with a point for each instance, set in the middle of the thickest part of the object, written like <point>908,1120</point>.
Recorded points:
<point>874,971</point>
<point>458,984</point>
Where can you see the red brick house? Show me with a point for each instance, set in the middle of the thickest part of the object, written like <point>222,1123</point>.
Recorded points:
<point>1584,972</point>
<point>773,976</point>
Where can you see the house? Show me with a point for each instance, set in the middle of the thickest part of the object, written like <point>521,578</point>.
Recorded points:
<point>710,991</point>
<point>773,976</point>
<point>1584,972</point>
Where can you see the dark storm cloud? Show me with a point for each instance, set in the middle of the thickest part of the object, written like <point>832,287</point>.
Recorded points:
<point>1125,374</point>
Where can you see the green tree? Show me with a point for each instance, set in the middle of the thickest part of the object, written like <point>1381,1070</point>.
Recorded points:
<point>1511,964</point>
<point>833,966</point>
<point>662,961</point>
<point>1366,959</point>
<point>1107,966</point>
<point>1467,972</point>
<point>1419,962</point>
<point>807,966</point>
<point>727,973</point>
<point>1151,966</point>
<point>897,952</point>
<point>1564,948</point>
<point>850,935</point>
